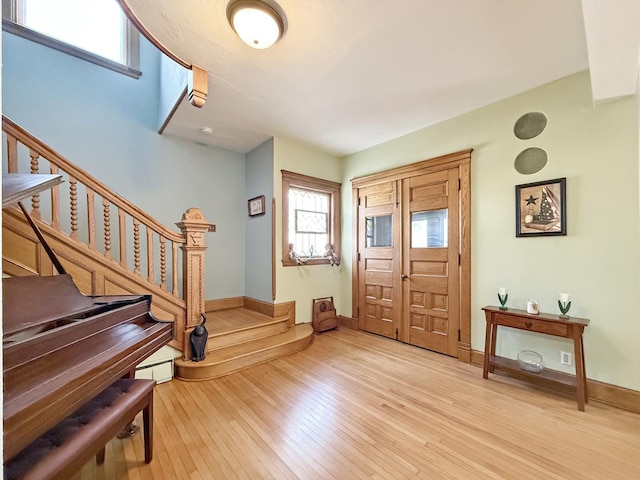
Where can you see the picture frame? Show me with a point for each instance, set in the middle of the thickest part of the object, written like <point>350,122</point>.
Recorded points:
<point>541,208</point>
<point>256,206</point>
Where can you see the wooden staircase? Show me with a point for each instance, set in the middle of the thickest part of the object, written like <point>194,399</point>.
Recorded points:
<point>240,338</point>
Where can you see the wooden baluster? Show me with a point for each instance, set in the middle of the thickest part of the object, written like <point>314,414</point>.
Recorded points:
<point>122,232</point>
<point>12,154</point>
<point>136,246</point>
<point>163,264</point>
<point>106,214</point>
<point>91,219</point>
<point>35,199</point>
<point>55,201</point>
<point>73,197</point>
<point>174,274</point>
<point>150,278</point>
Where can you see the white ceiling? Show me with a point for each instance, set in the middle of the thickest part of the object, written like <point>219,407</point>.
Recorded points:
<point>350,74</point>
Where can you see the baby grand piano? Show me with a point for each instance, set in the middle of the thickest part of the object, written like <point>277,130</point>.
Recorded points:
<point>61,348</point>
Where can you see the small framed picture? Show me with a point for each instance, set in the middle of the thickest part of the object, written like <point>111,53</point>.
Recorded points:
<point>541,208</point>
<point>257,206</point>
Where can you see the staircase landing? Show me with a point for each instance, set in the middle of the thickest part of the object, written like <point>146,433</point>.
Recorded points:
<point>240,338</point>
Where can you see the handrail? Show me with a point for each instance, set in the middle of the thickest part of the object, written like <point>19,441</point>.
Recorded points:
<point>85,178</point>
<point>91,238</point>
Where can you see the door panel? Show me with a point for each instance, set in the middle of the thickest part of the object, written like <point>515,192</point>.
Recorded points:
<point>379,266</point>
<point>430,241</point>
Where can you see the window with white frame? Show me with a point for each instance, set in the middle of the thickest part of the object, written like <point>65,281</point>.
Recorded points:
<point>94,30</point>
<point>310,220</point>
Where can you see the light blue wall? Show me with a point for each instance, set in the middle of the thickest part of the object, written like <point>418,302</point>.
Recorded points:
<point>259,181</point>
<point>106,123</point>
<point>173,81</point>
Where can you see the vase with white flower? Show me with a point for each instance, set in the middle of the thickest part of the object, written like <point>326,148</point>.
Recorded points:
<point>502,297</point>
<point>564,304</point>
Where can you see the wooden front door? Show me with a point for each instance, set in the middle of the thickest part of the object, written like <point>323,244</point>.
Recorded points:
<point>380,286</point>
<point>430,240</point>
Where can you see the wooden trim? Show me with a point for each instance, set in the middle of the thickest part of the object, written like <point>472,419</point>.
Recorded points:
<point>349,322</point>
<point>477,358</point>
<point>355,264</point>
<point>613,395</point>
<point>285,308</point>
<point>273,248</point>
<point>37,37</point>
<point>142,29</point>
<point>464,280</point>
<point>198,77</point>
<point>619,397</point>
<point>443,162</point>
<point>223,304</point>
<point>265,308</point>
<point>462,161</point>
<point>292,179</point>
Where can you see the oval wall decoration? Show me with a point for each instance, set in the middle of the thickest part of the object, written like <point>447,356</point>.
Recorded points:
<point>530,125</point>
<point>530,160</point>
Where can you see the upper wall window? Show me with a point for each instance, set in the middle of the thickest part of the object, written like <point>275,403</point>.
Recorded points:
<point>94,30</point>
<point>310,220</point>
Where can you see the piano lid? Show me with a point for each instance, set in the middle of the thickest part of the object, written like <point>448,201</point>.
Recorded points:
<point>18,186</point>
<point>31,301</point>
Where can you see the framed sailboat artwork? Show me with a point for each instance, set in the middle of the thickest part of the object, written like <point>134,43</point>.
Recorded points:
<point>541,208</point>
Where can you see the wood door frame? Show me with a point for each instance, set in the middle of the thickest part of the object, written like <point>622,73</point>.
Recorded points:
<point>461,160</point>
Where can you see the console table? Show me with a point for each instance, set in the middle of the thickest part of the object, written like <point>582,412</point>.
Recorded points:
<point>571,327</point>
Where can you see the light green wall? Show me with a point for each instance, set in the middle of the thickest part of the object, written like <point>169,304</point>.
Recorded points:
<point>303,283</point>
<point>598,261</point>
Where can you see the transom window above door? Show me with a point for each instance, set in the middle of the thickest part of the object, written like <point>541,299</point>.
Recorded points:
<point>310,220</point>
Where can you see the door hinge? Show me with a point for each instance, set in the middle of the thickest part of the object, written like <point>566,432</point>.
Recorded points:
<point>359,200</point>
<point>459,185</point>
<point>459,260</point>
<point>358,256</point>
<point>396,333</point>
<point>459,334</point>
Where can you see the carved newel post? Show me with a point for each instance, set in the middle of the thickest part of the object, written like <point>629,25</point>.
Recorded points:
<point>193,226</point>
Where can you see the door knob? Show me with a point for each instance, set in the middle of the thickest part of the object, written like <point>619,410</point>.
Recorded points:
<point>404,276</point>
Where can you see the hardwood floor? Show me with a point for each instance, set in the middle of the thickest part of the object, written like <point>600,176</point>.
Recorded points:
<point>356,406</point>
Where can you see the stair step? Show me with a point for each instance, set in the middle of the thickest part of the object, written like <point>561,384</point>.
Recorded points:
<point>236,357</point>
<point>255,330</point>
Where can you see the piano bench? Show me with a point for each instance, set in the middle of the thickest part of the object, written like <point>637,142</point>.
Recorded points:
<point>68,446</point>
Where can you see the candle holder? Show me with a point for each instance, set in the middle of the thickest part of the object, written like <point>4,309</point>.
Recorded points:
<point>502,298</point>
<point>564,304</point>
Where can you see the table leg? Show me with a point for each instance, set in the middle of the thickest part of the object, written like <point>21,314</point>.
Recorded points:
<point>487,346</point>
<point>492,351</point>
<point>584,371</point>
<point>580,374</point>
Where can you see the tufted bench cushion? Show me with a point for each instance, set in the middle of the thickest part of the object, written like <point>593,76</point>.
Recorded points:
<point>64,449</point>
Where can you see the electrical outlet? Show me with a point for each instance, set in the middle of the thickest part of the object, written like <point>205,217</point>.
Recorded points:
<point>565,358</point>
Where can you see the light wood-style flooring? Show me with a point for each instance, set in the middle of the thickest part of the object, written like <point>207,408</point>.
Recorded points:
<point>358,406</point>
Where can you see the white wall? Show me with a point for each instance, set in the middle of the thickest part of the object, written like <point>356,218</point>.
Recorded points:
<point>303,283</point>
<point>598,261</point>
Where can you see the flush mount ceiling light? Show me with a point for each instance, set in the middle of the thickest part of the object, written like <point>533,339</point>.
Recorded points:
<point>257,24</point>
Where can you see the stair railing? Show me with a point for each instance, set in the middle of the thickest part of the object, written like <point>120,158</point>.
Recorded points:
<point>140,247</point>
